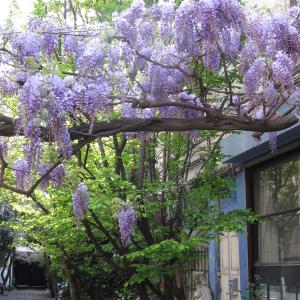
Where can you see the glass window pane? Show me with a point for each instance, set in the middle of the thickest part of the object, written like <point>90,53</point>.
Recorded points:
<point>275,292</point>
<point>291,293</point>
<point>279,239</point>
<point>263,292</point>
<point>277,188</point>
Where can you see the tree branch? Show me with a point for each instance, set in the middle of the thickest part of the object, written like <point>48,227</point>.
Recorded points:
<point>222,123</point>
<point>102,253</point>
<point>120,249</point>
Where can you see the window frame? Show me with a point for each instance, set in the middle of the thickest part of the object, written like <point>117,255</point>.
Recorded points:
<point>270,272</point>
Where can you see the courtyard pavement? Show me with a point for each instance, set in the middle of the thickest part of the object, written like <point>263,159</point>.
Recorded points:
<point>26,295</point>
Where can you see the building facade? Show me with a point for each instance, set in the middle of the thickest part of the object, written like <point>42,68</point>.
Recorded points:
<point>263,262</point>
<point>268,252</point>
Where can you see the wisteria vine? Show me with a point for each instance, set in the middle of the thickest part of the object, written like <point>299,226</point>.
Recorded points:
<point>197,65</point>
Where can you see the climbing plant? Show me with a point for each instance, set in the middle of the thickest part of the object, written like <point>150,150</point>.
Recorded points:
<point>120,101</point>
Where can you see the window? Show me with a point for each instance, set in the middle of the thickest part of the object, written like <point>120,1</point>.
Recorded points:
<point>275,252</point>
<point>277,191</point>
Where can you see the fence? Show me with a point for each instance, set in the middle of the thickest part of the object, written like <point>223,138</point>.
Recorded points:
<point>199,265</point>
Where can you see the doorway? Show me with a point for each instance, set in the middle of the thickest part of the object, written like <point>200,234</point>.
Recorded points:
<point>28,272</point>
<point>229,266</point>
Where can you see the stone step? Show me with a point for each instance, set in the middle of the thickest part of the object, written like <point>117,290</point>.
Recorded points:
<point>24,294</point>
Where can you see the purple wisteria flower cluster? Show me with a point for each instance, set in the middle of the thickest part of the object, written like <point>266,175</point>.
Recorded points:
<point>55,177</point>
<point>149,62</point>
<point>127,221</point>
<point>273,141</point>
<point>22,174</point>
<point>81,201</point>
<point>3,147</point>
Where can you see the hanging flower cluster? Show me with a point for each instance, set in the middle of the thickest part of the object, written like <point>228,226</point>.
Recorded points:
<point>150,62</point>
<point>22,174</point>
<point>55,177</point>
<point>127,220</point>
<point>3,148</point>
<point>81,201</point>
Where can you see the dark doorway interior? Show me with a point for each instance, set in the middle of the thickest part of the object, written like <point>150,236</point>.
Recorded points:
<point>29,274</point>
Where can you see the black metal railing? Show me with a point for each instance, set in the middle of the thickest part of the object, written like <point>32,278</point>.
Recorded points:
<point>277,292</point>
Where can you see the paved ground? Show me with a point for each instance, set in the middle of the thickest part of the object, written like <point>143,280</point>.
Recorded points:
<point>26,295</point>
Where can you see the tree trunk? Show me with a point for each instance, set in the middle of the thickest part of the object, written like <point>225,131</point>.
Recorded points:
<point>173,290</point>
<point>142,291</point>
<point>74,289</point>
<point>52,282</point>
<point>178,286</point>
<point>74,286</point>
<point>169,289</point>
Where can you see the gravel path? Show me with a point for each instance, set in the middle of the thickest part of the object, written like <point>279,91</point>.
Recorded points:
<point>26,295</point>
